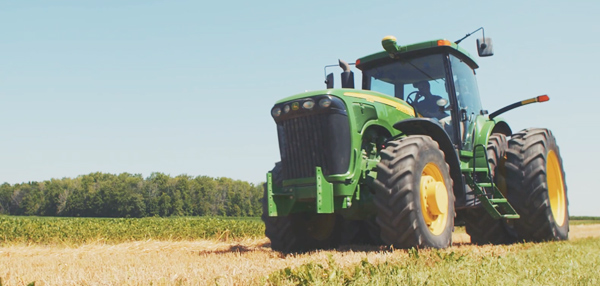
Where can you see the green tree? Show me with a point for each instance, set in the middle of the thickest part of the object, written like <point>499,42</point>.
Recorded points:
<point>130,195</point>
<point>164,205</point>
<point>6,191</point>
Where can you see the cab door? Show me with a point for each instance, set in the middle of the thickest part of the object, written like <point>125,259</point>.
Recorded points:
<point>469,103</point>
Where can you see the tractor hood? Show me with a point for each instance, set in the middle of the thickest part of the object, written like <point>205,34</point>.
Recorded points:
<point>349,97</point>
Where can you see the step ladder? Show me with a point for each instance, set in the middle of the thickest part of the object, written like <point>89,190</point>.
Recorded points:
<point>482,184</point>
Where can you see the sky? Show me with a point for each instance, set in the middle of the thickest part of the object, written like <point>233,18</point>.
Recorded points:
<point>186,87</point>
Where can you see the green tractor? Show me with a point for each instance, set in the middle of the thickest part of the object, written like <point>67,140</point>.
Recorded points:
<point>399,161</point>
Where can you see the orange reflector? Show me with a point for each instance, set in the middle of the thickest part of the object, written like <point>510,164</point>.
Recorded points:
<point>444,43</point>
<point>543,98</point>
<point>357,62</point>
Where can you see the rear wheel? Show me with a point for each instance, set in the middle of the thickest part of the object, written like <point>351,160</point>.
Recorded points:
<point>299,232</point>
<point>536,186</point>
<point>479,224</point>
<point>414,199</point>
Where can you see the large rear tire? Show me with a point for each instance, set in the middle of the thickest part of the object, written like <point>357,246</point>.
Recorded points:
<point>414,198</point>
<point>479,224</point>
<point>302,231</point>
<point>536,186</point>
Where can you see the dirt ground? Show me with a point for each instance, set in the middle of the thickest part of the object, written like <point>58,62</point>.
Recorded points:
<point>183,262</point>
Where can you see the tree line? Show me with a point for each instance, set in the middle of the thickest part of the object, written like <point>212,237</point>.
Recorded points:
<point>130,195</point>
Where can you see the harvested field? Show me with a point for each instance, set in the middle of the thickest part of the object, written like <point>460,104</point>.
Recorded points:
<point>200,262</point>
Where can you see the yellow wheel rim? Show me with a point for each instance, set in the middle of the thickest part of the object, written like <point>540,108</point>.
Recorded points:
<point>556,189</point>
<point>434,199</point>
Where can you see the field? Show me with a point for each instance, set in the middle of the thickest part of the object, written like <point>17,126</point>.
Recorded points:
<point>76,231</point>
<point>234,254</point>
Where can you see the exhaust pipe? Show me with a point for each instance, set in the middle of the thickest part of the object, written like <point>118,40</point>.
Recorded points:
<point>347,75</point>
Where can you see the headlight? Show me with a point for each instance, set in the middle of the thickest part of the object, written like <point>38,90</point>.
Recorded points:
<point>325,102</point>
<point>309,104</point>
<point>286,109</point>
<point>276,112</point>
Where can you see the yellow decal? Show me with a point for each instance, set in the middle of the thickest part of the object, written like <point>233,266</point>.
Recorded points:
<point>372,98</point>
<point>528,101</point>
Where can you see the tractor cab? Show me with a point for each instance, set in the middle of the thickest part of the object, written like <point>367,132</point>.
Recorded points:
<point>437,78</point>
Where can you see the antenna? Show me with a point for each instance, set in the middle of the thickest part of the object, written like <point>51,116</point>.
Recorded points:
<point>467,35</point>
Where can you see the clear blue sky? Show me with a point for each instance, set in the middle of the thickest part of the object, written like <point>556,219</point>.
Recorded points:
<point>185,87</point>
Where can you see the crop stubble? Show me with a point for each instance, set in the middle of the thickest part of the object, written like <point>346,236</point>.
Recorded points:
<point>198,262</point>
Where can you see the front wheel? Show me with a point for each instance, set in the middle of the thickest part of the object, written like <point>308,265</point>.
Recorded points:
<point>536,186</point>
<point>414,198</point>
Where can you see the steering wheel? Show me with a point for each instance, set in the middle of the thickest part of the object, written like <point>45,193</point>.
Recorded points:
<point>410,100</point>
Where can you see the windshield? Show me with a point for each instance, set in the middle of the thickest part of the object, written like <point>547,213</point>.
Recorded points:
<point>398,78</point>
<point>419,81</point>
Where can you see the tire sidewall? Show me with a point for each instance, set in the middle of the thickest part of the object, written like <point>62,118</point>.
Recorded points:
<point>529,191</point>
<point>425,156</point>
<point>561,231</point>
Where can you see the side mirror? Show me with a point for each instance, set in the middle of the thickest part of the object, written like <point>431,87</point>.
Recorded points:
<point>485,48</point>
<point>329,81</point>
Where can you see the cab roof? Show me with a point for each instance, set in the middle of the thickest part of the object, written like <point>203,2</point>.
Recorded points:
<point>415,50</point>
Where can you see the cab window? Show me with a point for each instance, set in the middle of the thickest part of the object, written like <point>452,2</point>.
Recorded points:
<point>467,95</point>
<point>420,81</point>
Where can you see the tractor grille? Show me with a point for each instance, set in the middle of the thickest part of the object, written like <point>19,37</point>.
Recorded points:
<point>314,140</point>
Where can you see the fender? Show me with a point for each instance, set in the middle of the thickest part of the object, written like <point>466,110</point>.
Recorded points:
<point>433,129</point>
<point>501,127</point>
<point>496,125</point>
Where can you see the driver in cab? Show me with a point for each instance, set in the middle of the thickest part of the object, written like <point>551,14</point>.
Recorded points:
<point>426,103</point>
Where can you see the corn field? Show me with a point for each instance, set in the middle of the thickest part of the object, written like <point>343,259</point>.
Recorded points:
<point>74,231</point>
